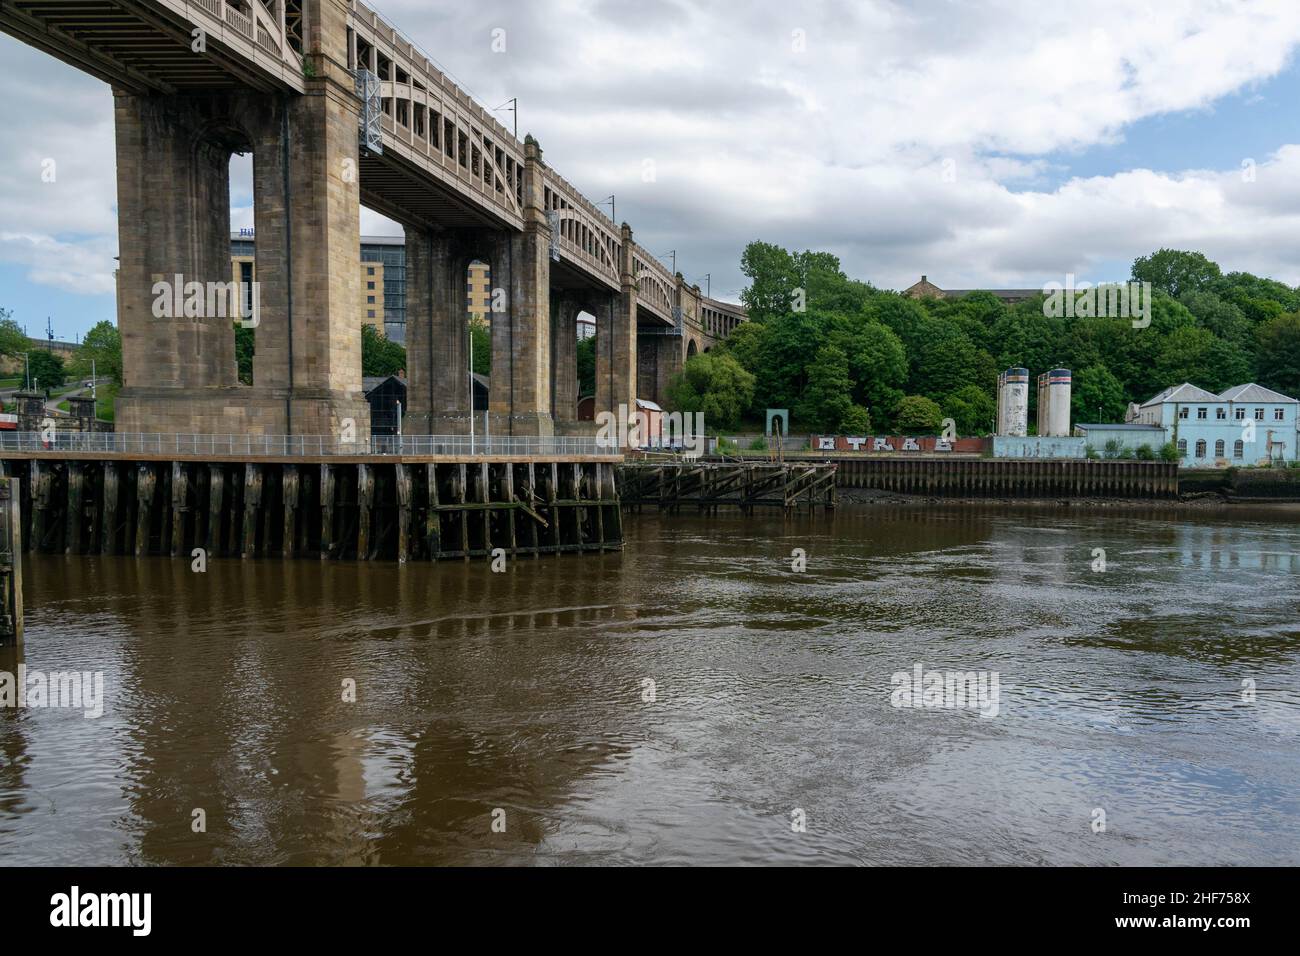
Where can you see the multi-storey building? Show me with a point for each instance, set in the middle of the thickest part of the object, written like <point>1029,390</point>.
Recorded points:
<point>1244,425</point>
<point>382,261</point>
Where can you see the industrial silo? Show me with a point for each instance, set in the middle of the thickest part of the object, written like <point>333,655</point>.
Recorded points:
<point>1054,403</point>
<point>1013,402</point>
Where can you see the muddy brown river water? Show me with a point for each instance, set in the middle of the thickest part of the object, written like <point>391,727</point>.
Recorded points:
<point>690,700</point>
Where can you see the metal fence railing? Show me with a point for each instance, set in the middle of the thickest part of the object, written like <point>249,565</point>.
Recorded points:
<point>292,446</point>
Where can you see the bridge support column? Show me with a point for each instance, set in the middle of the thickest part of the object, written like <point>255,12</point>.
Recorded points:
<point>173,195</point>
<point>520,400</point>
<point>437,316</point>
<point>437,350</point>
<point>616,363</point>
<point>659,358</point>
<point>173,157</point>
<point>565,307</point>
<point>307,209</point>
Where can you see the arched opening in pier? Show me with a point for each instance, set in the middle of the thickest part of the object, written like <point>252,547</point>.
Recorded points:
<point>243,263</point>
<point>218,278</point>
<point>480,302</point>
<point>586,361</point>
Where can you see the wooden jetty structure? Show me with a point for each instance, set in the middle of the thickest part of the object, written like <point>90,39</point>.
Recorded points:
<point>404,498</point>
<point>706,486</point>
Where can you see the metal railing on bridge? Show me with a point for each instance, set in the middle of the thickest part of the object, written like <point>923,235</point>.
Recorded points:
<point>295,446</point>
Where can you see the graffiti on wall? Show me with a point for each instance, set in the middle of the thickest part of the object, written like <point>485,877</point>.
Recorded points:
<point>885,444</point>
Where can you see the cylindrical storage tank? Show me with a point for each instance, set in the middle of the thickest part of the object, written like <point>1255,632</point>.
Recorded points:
<point>1013,402</point>
<point>1058,402</point>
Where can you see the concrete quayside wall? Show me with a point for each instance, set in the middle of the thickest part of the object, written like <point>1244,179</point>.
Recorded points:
<point>1007,478</point>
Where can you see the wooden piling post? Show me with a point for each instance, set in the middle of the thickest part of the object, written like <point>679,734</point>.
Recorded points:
<point>553,507</point>
<point>180,505</point>
<point>289,484</point>
<point>76,510</point>
<point>146,485</point>
<point>11,562</point>
<point>252,503</point>
<point>600,510</point>
<point>42,479</point>
<point>482,494</point>
<point>508,495</point>
<point>404,508</point>
<point>462,488</point>
<point>433,517</point>
<point>108,523</point>
<point>365,509</point>
<point>216,495</point>
<point>326,511</point>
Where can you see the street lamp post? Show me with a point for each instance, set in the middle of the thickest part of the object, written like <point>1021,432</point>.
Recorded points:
<point>469,326</point>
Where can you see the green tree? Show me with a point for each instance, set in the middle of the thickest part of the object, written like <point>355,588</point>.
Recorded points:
<point>715,385</point>
<point>1175,271</point>
<point>745,345</point>
<point>100,350</point>
<point>944,360</point>
<point>245,346</point>
<point>1097,395</point>
<point>587,367</point>
<point>773,276</point>
<point>1250,292</point>
<point>46,369</point>
<point>972,410</point>
<point>480,335</point>
<point>877,361</point>
<point>379,356</point>
<point>856,421</point>
<point>918,415</point>
<point>1279,354</point>
<point>13,340</point>
<point>782,372</point>
<point>1190,354</point>
<point>827,401</point>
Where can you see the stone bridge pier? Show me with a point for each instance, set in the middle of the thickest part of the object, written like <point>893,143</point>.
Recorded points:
<point>565,306</point>
<point>616,339</point>
<point>660,356</point>
<point>437,334</point>
<point>174,292</point>
<point>533,320</point>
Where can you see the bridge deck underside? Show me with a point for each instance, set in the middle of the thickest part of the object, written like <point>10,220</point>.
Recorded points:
<point>140,47</point>
<point>393,187</point>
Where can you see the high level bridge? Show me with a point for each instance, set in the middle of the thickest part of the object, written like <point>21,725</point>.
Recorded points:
<point>339,109</point>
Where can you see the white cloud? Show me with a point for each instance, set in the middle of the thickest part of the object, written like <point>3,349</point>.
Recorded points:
<point>72,266</point>
<point>841,146</point>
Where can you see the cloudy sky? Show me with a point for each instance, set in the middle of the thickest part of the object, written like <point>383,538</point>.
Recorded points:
<point>995,143</point>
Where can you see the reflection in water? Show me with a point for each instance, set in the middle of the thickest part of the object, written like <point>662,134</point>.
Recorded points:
<point>524,691</point>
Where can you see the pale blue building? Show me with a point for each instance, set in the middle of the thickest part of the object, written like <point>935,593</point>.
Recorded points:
<point>1127,437</point>
<point>1245,425</point>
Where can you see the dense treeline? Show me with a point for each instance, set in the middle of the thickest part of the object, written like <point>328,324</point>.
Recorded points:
<point>845,356</point>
